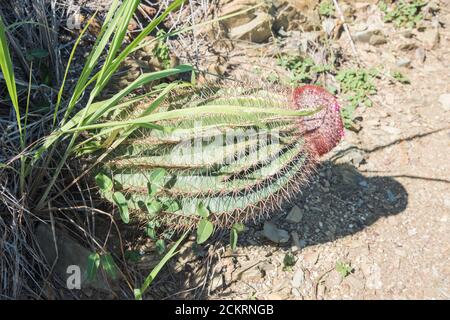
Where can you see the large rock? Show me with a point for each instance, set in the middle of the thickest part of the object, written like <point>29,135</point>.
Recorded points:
<point>234,7</point>
<point>67,252</point>
<point>295,215</point>
<point>257,30</point>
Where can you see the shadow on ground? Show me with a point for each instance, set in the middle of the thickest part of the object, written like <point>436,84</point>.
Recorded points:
<point>339,202</point>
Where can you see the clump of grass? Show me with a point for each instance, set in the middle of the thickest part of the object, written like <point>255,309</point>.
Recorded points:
<point>404,13</point>
<point>357,85</point>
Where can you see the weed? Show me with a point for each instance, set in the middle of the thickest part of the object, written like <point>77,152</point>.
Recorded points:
<point>343,268</point>
<point>397,75</point>
<point>162,50</point>
<point>326,8</point>
<point>357,85</point>
<point>303,69</point>
<point>405,13</point>
<point>289,261</point>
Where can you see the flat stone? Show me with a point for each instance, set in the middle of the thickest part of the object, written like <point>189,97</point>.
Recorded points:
<point>295,215</point>
<point>271,232</point>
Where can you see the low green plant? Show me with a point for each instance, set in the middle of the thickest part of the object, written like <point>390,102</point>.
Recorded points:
<point>357,85</point>
<point>289,261</point>
<point>302,69</point>
<point>162,50</point>
<point>400,77</point>
<point>343,268</point>
<point>404,13</point>
<point>104,261</point>
<point>326,8</point>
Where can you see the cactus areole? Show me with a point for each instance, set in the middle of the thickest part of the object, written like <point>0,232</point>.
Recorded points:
<point>226,167</point>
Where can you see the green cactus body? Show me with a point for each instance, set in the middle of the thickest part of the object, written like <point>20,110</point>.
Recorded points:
<point>239,166</point>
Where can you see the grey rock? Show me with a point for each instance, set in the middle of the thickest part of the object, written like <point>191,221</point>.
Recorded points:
<point>271,232</point>
<point>68,252</point>
<point>295,215</point>
<point>403,63</point>
<point>298,278</point>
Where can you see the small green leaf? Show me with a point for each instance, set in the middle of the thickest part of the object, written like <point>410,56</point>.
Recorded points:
<point>153,206</point>
<point>36,54</point>
<point>151,232</point>
<point>233,239</point>
<point>239,227</point>
<point>132,255</point>
<point>172,206</point>
<point>204,230</point>
<point>92,265</point>
<point>157,176</point>
<point>109,265</point>
<point>156,181</point>
<point>137,294</point>
<point>122,204</point>
<point>160,246</point>
<point>104,182</point>
<point>202,211</point>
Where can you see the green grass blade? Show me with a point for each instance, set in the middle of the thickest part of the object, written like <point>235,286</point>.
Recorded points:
<point>8,75</point>
<point>148,281</point>
<point>72,53</point>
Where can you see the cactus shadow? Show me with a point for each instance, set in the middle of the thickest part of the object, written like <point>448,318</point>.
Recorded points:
<point>342,201</point>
